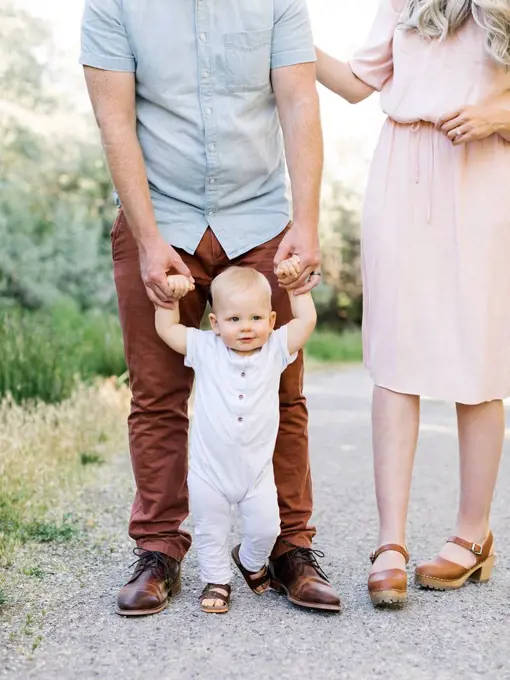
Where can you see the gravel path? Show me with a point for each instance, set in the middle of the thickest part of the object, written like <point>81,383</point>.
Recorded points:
<point>69,617</point>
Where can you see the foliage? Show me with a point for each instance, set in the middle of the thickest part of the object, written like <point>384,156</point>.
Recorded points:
<point>43,353</point>
<point>339,298</point>
<point>55,194</point>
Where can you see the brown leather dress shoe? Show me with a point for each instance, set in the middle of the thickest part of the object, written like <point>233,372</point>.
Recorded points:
<point>156,577</point>
<point>389,586</point>
<point>441,574</point>
<point>298,574</point>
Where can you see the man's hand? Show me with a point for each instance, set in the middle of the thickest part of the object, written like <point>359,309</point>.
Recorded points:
<point>157,260</point>
<point>303,242</point>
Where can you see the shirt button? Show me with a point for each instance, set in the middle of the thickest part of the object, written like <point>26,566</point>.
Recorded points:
<point>240,420</point>
<point>212,180</point>
<point>212,146</point>
<point>205,75</point>
<point>208,111</point>
<point>202,36</point>
<point>241,396</point>
<point>243,374</point>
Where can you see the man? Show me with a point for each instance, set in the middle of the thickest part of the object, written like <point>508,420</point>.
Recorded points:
<point>189,97</point>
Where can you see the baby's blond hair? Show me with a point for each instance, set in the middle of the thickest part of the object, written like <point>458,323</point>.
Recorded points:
<point>239,279</point>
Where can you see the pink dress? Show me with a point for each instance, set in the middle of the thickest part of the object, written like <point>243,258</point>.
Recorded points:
<point>436,224</point>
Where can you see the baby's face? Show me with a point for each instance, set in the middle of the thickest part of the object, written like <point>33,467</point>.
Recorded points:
<point>243,320</point>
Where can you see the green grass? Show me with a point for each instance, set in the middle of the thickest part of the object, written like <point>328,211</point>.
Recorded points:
<point>335,347</point>
<point>91,459</point>
<point>15,527</point>
<point>44,353</point>
<point>36,642</point>
<point>48,532</point>
<point>3,599</point>
<point>36,572</point>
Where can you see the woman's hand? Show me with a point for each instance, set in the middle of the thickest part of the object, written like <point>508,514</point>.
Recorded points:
<point>470,124</point>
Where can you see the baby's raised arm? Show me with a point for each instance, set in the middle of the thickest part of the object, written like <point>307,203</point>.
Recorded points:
<point>168,327</point>
<point>301,327</point>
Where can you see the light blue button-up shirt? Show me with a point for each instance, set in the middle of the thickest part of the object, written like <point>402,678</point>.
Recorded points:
<point>207,118</point>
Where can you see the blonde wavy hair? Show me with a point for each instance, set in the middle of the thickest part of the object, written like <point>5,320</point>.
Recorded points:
<point>441,18</point>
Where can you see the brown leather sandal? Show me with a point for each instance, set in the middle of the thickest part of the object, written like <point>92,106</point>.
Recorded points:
<point>389,586</point>
<point>212,591</point>
<point>441,574</point>
<point>260,584</point>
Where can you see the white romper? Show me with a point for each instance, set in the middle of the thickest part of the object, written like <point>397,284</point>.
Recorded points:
<point>233,435</point>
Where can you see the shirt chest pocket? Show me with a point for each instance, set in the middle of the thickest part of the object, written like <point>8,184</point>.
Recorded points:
<point>248,60</point>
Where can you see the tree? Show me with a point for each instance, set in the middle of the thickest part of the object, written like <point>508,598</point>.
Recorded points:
<point>339,299</point>
<point>56,205</point>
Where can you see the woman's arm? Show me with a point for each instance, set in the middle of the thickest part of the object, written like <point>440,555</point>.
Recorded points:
<point>338,77</point>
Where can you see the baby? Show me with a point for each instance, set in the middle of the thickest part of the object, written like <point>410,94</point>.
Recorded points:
<point>236,416</point>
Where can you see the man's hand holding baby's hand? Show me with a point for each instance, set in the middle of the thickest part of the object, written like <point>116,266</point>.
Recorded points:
<point>179,286</point>
<point>288,271</point>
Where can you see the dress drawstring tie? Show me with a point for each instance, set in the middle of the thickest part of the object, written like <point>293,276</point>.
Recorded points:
<point>417,128</point>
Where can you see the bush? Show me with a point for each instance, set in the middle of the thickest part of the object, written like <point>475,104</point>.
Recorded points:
<point>44,353</point>
<point>56,205</point>
<point>339,297</point>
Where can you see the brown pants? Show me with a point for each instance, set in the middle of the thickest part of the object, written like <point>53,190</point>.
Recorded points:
<point>161,386</point>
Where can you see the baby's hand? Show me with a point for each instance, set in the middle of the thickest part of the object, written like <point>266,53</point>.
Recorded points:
<point>288,270</point>
<point>179,285</point>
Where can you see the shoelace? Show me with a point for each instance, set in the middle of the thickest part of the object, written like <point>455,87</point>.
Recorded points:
<point>309,556</point>
<point>153,561</point>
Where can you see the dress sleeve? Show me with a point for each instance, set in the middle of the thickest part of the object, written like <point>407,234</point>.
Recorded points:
<point>373,63</point>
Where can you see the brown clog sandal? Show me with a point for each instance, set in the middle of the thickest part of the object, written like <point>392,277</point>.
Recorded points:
<point>260,584</point>
<point>215,591</point>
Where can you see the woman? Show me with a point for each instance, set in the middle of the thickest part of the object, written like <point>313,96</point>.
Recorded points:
<point>436,252</point>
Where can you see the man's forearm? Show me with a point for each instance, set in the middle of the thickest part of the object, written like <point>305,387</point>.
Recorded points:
<point>304,148</point>
<point>129,176</point>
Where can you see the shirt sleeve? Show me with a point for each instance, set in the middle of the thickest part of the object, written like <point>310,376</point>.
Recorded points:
<point>373,63</point>
<point>192,358</point>
<point>282,344</point>
<point>104,40</point>
<point>292,34</point>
